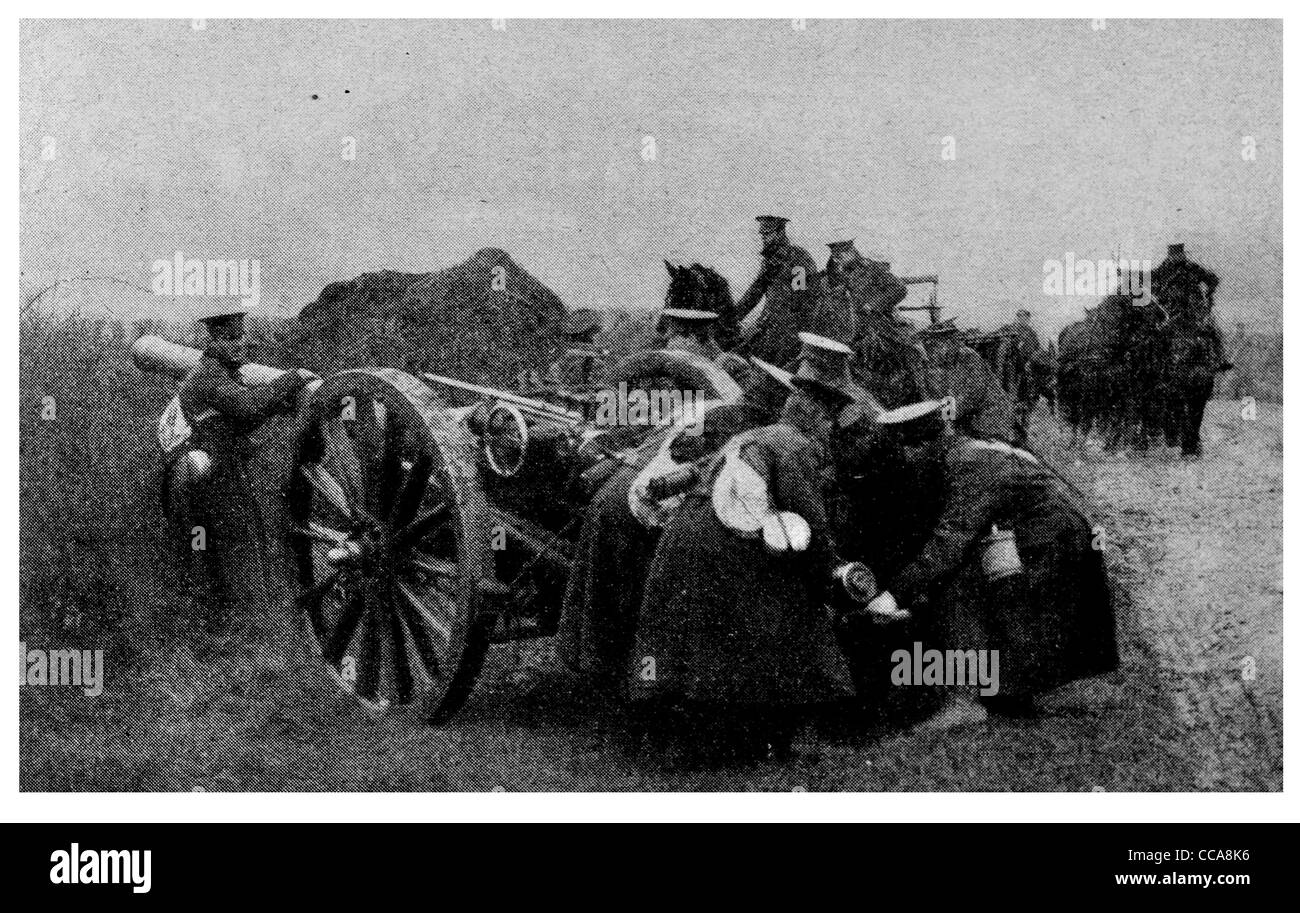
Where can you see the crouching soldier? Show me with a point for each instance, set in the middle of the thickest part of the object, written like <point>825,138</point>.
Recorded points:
<point>1011,566</point>
<point>207,495</point>
<point>603,598</point>
<point>734,643</point>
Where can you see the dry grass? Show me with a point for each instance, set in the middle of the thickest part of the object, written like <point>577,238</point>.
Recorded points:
<point>179,714</point>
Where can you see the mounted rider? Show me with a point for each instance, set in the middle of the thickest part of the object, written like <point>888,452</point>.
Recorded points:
<point>1186,289</point>
<point>890,359</point>
<point>782,299</point>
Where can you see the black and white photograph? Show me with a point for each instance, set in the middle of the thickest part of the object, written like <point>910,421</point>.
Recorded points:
<point>648,405</point>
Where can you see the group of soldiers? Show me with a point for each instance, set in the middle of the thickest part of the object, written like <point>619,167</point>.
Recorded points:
<point>855,440</point>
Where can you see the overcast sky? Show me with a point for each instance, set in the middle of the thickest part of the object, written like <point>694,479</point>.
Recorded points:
<point>227,142</point>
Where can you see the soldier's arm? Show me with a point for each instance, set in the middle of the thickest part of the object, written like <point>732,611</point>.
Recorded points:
<point>757,289</point>
<point>235,400</point>
<point>965,518</point>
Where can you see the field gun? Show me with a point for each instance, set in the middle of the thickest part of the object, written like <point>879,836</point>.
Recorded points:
<point>419,532</point>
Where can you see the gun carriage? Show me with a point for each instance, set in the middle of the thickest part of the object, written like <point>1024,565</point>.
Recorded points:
<point>426,518</point>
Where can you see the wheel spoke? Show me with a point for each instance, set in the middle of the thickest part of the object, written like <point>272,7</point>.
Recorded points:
<point>436,566</point>
<point>389,474</point>
<point>310,602</point>
<point>423,615</point>
<point>345,629</point>
<point>418,529</point>
<point>370,662</point>
<point>320,533</point>
<point>327,487</point>
<point>412,493</point>
<point>399,659</point>
<point>340,445</point>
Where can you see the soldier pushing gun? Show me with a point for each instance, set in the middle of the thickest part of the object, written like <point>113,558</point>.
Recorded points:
<point>207,495</point>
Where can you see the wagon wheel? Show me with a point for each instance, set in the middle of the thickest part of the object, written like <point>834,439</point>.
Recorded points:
<point>388,531</point>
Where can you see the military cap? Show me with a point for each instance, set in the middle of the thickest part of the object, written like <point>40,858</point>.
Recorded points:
<point>689,315</point>
<point>780,375</point>
<point>843,247</point>
<point>215,309</point>
<point>822,356</point>
<point>581,322</point>
<point>771,223</point>
<point>823,344</point>
<point>1177,251</point>
<point>912,412</point>
<point>914,423</point>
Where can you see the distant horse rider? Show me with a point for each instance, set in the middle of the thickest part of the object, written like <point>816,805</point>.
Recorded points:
<point>1186,288</point>
<point>781,300</point>
<point>208,495</point>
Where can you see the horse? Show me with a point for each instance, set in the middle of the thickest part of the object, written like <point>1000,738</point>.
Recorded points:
<point>1188,380</point>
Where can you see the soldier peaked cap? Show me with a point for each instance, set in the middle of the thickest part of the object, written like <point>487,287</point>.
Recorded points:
<point>771,223</point>
<point>823,345</point>
<point>219,309</point>
<point>780,375</point>
<point>912,412</point>
<point>690,315</point>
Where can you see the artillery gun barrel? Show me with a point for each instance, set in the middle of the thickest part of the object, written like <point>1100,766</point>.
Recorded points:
<point>918,280</point>
<point>537,407</point>
<point>160,356</point>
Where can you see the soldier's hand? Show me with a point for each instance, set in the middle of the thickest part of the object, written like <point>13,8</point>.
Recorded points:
<point>884,609</point>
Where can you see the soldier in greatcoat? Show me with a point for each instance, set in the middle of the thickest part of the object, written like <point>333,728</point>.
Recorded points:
<point>982,408</point>
<point>787,288</point>
<point>1013,564</point>
<point>734,641</point>
<point>208,494</point>
<point>603,598</point>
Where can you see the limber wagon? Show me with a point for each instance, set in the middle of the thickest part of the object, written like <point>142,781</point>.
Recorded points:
<point>421,531</point>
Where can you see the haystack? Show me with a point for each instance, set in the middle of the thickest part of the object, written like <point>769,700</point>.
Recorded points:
<point>484,320</point>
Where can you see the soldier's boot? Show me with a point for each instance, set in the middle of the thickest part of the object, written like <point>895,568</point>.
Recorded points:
<point>958,709</point>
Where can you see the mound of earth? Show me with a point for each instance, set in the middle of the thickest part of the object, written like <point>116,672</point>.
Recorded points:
<point>484,320</point>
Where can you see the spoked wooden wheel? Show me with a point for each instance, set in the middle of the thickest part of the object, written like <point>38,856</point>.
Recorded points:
<point>388,530</point>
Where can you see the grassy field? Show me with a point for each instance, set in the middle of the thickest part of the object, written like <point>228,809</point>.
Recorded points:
<point>181,712</point>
